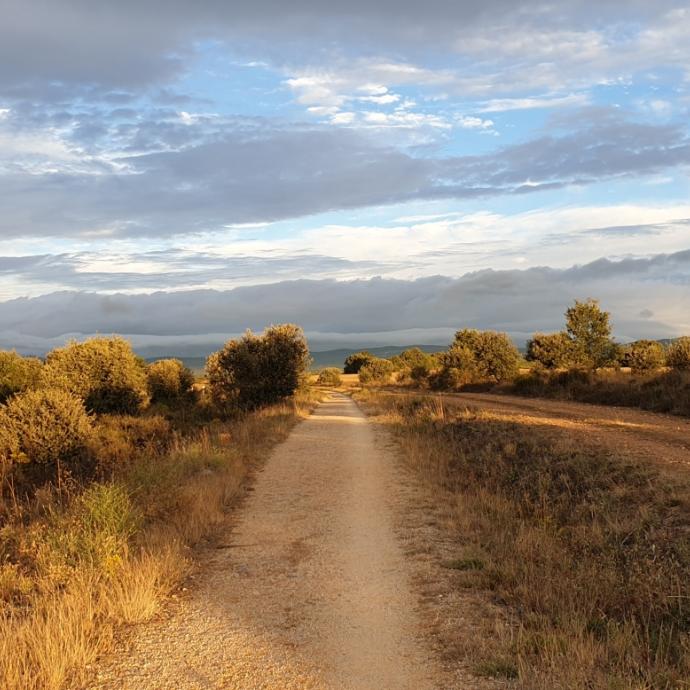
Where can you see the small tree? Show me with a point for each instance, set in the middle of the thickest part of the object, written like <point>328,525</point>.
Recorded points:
<point>257,370</point>
<point>376,371</point>
<point>463,363</point>
<point>46,427</point>
<point>17,374</point>
<point>329,377</point>
<point>551,350</point>
<point>103,372</point>
<point>356,361</point>
<point>644,355</point>
<point>589,331</point>
<point>678,356</point>
<point>495,356</point>
<point>169,381</point>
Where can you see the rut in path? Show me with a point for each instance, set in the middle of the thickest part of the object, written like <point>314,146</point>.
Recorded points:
<point>313,589</point>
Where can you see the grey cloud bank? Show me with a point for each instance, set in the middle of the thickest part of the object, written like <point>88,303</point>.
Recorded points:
<point>648,298</point>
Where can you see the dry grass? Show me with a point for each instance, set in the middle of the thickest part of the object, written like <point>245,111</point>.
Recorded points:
<point>588,555</point>
<point>79,563</point>
<point>661,391</point>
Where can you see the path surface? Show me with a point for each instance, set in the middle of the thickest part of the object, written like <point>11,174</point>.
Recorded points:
<point>312,589</point>
<point>645,435</point>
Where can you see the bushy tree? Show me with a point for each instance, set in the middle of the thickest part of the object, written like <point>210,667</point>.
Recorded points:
<point>589,331</point>
<point>463,363</point>
<point>551,350</point>
<point>644,355</point>
<point>45,427</point>
<point>678,355</point>
<point>103,372</point>
<point>356,361</point>
<point>495,356</point>
<point>17,374</point>
<point>376,371</point>
<point>169,381</point>
<point>257,370</point>
<point>329,377</point>
<point>411,358</point>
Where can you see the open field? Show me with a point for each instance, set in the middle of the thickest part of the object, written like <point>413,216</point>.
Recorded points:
<point>583,546</point>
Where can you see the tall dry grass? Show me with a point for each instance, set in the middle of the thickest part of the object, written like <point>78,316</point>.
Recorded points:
<point>81,562</point>
<point>587,554</point>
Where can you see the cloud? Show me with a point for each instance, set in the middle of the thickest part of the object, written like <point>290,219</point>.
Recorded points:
<point>203,178</point>
<point>647,298</point>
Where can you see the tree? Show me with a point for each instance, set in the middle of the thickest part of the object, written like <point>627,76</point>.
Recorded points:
<point>678,356</point>
<point>589,331</point>
<point>258,370</point>
<point>356,361</point>
<point>169,381</point>
<point>494,355</point>
<point>17,374</point>
<point>104,372</point>
<point>644,355</point>
<point>551,350</point>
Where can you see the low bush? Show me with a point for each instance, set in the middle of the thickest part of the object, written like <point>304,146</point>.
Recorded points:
<point>551,350</point>
<point>678,356</point>
<point>103,372</point>
<point>643,356</point>
<point>169,382</point>
<point>376,371</point>
<point>660,392</point>
<point>17,374</point>
<point>48,428</point>
<point>119,441</point>
<point>329,377</point>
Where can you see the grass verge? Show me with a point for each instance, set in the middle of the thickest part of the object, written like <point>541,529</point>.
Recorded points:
<point>587,554</point>
<point>80,562</point>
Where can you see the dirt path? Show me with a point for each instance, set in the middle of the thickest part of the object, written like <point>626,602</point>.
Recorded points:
<point>646,435</point>
<point>312,589</point>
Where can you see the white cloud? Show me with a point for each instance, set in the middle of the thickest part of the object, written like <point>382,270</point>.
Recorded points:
<point>469,122</point>
<point>498,105</point>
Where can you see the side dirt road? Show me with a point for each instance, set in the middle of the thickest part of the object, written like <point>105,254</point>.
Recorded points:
<point>631,432</point>
<point>312,587</point>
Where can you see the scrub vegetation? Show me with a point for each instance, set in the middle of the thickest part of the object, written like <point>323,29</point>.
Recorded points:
<point>111,470</point>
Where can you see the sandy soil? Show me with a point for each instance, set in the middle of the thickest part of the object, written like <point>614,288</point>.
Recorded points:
<point>311,588</point>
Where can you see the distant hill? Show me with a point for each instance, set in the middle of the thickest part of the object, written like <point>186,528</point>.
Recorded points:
<point>336,358</point>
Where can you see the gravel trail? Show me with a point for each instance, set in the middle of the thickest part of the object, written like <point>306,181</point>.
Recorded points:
<point>311,588</point>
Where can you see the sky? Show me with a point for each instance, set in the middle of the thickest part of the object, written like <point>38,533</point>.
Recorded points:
<point>379,172</point>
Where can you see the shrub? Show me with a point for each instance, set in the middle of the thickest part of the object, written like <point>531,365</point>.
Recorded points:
<point>644,355</point>
<point>589,331</point>
<point>17,374</point>
<point>551,350</point>
<point>50,427</point>
<point>412,358</point>
<point>356,361</point>
<point>119,441</point>
<point>103,372</point>
<point>257,370</point>
<point>329,377</point>
<point>678,356</point>
<point>447,378</point>
<point>169,381</point>
<point>495,356</point>
<point>376,371</point>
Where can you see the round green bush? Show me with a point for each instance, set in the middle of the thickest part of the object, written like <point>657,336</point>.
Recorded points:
<point>169,381</point>
<point>104,372</point>
<point>17,373</point>
<point>46,427</point>
<point>644,355</point>
<point>329,377</point>
<point>356,361</point>
<point>376,371</point>
<point>678,356</point>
